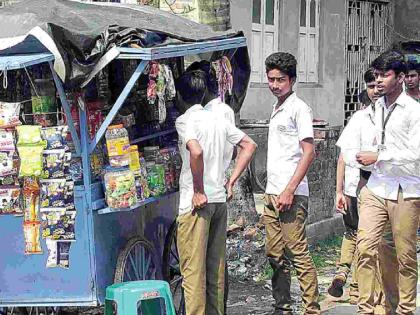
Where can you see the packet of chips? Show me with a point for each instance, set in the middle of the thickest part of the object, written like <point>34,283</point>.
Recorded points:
<point>7,141</point>
<point>58,254</point>
<point>9,114</point>
<point>69,196</point>
<point>55,137</point>
<point>10,200</point>
<point>31,155</point>
<point>58,224</point>
<point>31,199</point>
<point>28,134</point>
<point>32,239</point>
<point>53,161</point>
<point>53,193</point>
<point>7,163</point>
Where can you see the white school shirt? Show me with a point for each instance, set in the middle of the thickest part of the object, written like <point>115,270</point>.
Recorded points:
<point>398,163</point>
<point>358,135</point>
<point>289,124</point>
<point>213,135</point>
<point>223,111</point>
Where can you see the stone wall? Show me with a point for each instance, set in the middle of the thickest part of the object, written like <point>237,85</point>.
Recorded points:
<point>323,220</point>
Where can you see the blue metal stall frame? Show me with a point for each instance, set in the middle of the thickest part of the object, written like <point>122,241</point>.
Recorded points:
<point>101,232</point>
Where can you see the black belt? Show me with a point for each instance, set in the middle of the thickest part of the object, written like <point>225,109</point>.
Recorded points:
<point>365,174</point>
<point>364,177</point>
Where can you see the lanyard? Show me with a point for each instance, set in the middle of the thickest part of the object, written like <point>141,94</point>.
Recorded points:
<point>384,122</point>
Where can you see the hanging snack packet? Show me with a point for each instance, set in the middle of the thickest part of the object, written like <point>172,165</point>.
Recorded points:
<point>10,200</point>
<point>32,240</point>
<point>53,193</point>
<point>55,137</point>
<point>53,161</point>
<point>10,177</point>
<point>9,114</point>
<point>58,254</point>
<point>6,163</point>
<point>58,224</point>
<point>7,141</point>
<point>69,196</point>
<point>74,170</point>
<point>31,155</point>
<point>28,134</point>
<point>31,199</point>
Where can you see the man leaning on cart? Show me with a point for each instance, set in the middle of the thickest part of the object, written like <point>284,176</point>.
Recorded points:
<point>202,211</point>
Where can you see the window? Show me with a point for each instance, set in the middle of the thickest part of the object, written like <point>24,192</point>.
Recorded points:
<point>308,41</point>
<point>265,33</point>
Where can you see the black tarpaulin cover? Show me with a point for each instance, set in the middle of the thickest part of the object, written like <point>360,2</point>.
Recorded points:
<point>80,33</point>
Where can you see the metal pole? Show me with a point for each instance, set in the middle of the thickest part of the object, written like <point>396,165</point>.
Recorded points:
<point>119,102</point>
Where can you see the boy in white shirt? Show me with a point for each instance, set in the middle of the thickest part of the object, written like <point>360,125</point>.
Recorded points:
<point>392,193</point>
<point>202,216</point>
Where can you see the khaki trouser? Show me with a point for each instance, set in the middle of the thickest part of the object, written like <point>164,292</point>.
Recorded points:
<point>201,244</point>
<point>349,255</point>
<point>348,246</point>
<point>285,231</point>
<point>399,271</point>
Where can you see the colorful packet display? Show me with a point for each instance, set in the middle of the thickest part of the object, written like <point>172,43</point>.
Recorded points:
<point>58,224</point>
<point>55,137</point>
<point>10,200</point>
<point>28,134</point>
<point>32,238</point>
<point>7,141</point>
<point>54,163</point>
<point>31,199</point>
<point>58,254</point>
<point>53,193</point>
<point>32,157</point>
<point>9,114</point>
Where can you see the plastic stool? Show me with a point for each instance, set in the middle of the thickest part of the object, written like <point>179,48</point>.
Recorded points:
<point>149,297</point>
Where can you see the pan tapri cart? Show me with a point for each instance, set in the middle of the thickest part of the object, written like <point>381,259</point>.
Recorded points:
<point>94,52</point>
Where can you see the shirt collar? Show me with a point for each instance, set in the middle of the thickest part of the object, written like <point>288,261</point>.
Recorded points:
<point>401,100</point>
<point>290,99</point>
<point>214,102</point>
<point>182,118</point>
<point>194,108</point>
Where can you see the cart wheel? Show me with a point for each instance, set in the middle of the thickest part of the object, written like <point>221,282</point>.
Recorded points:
<point>137,261</point>
<point>171,271</point>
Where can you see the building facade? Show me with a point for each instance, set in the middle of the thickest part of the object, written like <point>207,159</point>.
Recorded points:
<point>333,40</point>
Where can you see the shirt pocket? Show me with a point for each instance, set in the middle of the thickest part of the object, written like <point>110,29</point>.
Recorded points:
<point>286,126</point>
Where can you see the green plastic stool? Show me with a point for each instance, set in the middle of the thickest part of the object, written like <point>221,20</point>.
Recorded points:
<point>149,297</point>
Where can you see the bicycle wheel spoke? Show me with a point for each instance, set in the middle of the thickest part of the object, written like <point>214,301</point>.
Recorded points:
<point>134,267</point>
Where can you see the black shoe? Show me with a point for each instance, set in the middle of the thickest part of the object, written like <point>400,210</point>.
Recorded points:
<point>336,287</point>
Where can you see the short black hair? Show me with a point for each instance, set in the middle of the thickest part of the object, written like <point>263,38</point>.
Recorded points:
<point>210,72</point>
<point>369,76</point>
<point>390,60</point>
<point>282,61</point>
<point>413,65</point>
<point>191,86</point>
<point>364,98</point>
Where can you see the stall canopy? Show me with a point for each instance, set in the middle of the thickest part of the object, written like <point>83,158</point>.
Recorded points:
<point>79,34</point>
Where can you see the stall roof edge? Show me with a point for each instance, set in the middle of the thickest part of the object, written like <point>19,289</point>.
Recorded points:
<point>13,62</point>
<point>184,49</point>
